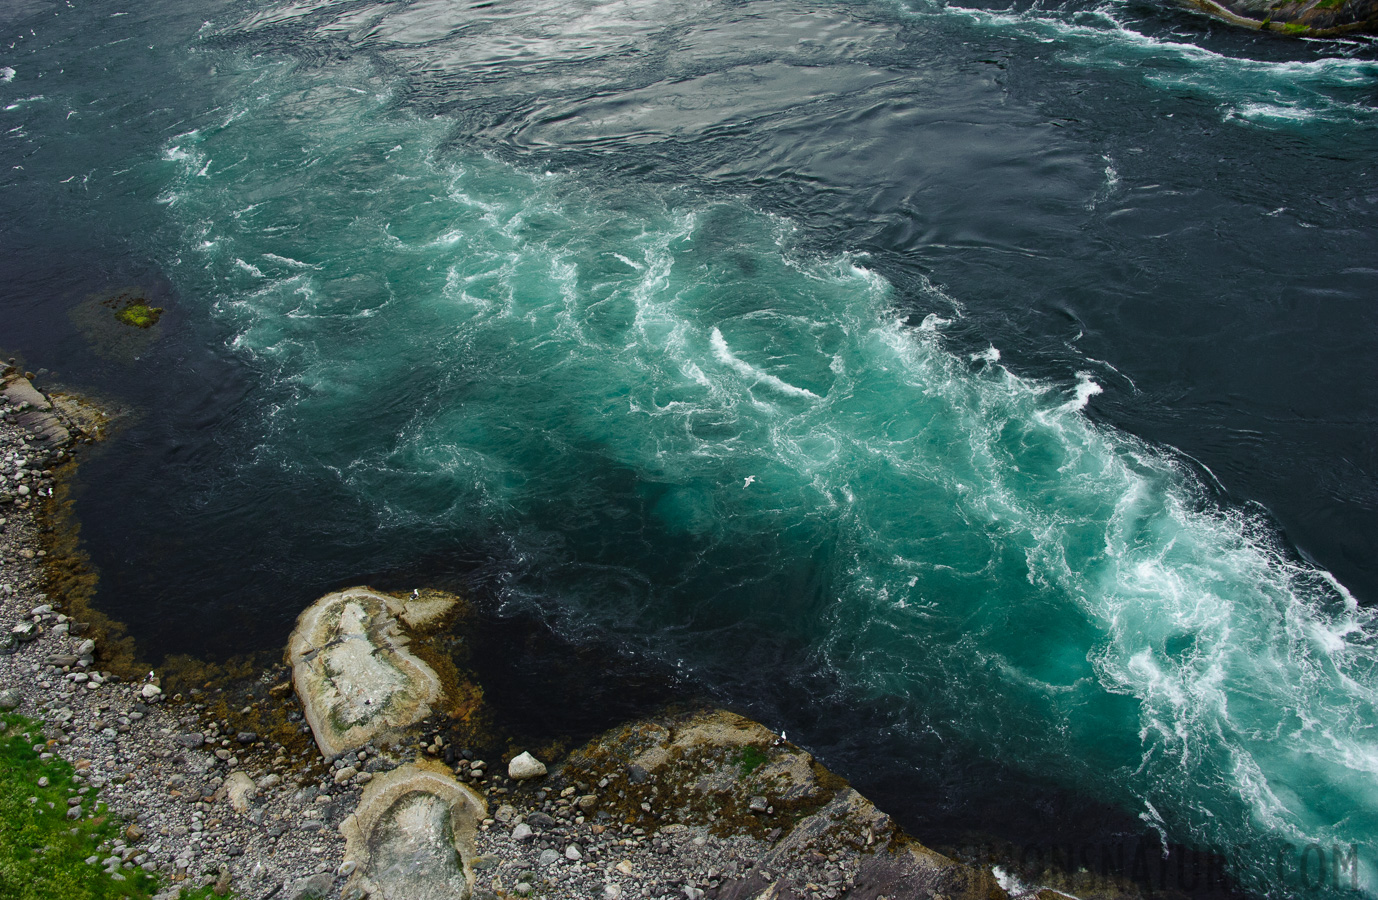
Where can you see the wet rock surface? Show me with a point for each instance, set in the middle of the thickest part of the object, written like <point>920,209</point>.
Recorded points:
<point>1300,18</point>
<point>412,836</point>
<point>353,672</point>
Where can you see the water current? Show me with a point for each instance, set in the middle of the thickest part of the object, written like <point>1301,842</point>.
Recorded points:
<point>983,394</point>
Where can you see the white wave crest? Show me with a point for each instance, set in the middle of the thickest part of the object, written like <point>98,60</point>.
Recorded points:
<point>725,355</point>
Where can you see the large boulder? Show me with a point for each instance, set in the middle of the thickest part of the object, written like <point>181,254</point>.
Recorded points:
<point>352,670</point>
<point>412,836</point>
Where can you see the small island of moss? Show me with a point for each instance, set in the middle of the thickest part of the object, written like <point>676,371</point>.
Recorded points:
<point>138,313</point>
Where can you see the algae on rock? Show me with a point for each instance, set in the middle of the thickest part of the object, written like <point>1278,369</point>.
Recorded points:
<point>412,835</point>
<point>1296,18</point>
<point>690,765</point>
<point>352,670</point>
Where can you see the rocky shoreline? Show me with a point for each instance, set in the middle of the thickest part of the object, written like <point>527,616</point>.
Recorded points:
<point>1296,18</point>
<point>232,786</point>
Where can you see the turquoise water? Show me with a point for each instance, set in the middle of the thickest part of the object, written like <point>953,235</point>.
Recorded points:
<point>689,419</point>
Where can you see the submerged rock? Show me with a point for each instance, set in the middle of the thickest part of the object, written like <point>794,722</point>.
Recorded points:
<point>353,673</point>
<point>1308,18</point>
<point>412,836</point>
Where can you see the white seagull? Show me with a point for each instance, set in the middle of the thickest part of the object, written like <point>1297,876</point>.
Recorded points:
<point>747,483</point>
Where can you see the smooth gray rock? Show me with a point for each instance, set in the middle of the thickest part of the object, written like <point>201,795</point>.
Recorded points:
<point>314,887</point>
<point>412,835</point>
<point>353,672</point>
<point>525,766</point>
<point>240,791</point>
<point>10,698</point>
<point>547,858</point>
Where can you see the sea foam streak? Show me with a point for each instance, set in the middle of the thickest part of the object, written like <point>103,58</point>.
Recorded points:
<point>595,375</point>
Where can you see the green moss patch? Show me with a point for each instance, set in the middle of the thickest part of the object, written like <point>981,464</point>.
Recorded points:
<point>133,309</point>
<point>140,315</point>
<point>750,759</point>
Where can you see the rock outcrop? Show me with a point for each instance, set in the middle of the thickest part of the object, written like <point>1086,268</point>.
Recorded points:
<point>34,412</point>
<point>352,671</point>
<point>721,770</point>
<point>1302,18</point>
<point>412,836</point>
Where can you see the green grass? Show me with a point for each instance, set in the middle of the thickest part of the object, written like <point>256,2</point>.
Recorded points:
<point>751,759</point>
<point>42,852</point>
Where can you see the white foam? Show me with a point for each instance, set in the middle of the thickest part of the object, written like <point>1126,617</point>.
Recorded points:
<point>288,261</point>
<point>1255,112</point>
<point>1086,389</point>
<point>725,355</point>
<point>1112,176</point>
<point>1012,885</point>
<point>6,74</point>
<point>989,355</point>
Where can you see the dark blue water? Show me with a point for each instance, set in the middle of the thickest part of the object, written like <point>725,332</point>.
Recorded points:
<point>983,395</point>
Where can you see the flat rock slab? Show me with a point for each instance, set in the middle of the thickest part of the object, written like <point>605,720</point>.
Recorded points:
<point>353,673</point>
<point>412,836</point>
<point>39,417</point>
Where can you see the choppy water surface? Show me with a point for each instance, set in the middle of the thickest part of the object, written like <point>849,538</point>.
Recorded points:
<point>983,394</point>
